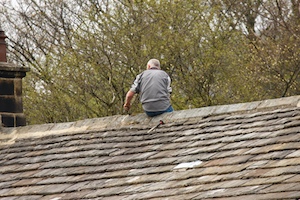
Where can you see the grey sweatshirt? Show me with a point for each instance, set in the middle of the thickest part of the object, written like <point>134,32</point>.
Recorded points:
<point>154,87</point>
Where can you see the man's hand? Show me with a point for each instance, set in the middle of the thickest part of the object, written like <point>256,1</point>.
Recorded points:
<point>126,107</point>
<point>128,98</point>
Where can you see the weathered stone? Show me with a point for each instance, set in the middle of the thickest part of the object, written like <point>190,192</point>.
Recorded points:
<point>232,154</point>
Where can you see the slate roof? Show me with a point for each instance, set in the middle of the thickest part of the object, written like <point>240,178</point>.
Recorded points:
<point>242,151</point>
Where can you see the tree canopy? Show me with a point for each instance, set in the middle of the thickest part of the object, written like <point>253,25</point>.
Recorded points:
<point>85,54</point>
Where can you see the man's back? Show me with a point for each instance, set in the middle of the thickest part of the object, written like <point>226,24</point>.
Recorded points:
<point>155,90</point>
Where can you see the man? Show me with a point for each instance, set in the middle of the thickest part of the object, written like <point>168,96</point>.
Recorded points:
<point>154,87</point>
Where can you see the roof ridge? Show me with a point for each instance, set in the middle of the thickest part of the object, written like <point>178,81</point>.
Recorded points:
<point>141,121</point>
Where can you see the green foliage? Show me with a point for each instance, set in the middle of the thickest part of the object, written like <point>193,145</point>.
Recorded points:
<point>85,54</point>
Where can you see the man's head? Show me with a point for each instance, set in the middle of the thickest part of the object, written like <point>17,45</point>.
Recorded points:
<point>153,64</point>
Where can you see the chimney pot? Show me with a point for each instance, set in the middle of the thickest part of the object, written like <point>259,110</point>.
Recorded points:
<point>2,46</point>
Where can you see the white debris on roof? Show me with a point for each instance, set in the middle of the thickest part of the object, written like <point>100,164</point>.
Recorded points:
<point>56,198</point>
<point>133,179</point>
<point>216,191</point>
<point>188,164</point>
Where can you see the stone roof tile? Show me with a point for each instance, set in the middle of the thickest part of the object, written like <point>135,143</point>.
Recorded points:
<point>241,151</point>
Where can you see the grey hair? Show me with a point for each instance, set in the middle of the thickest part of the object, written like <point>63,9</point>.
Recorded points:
<point>154,63</point>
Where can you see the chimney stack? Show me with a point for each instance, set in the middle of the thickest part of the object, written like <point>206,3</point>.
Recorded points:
<point>11,104</point>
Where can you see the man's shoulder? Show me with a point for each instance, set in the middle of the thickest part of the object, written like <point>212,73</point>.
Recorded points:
<point>155,71</point>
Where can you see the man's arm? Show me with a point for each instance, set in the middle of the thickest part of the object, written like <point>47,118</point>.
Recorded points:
<point>128,99</point>
<point>134,89</point>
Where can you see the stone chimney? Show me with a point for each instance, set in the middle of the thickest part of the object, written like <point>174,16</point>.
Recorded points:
<point>11,104</point>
